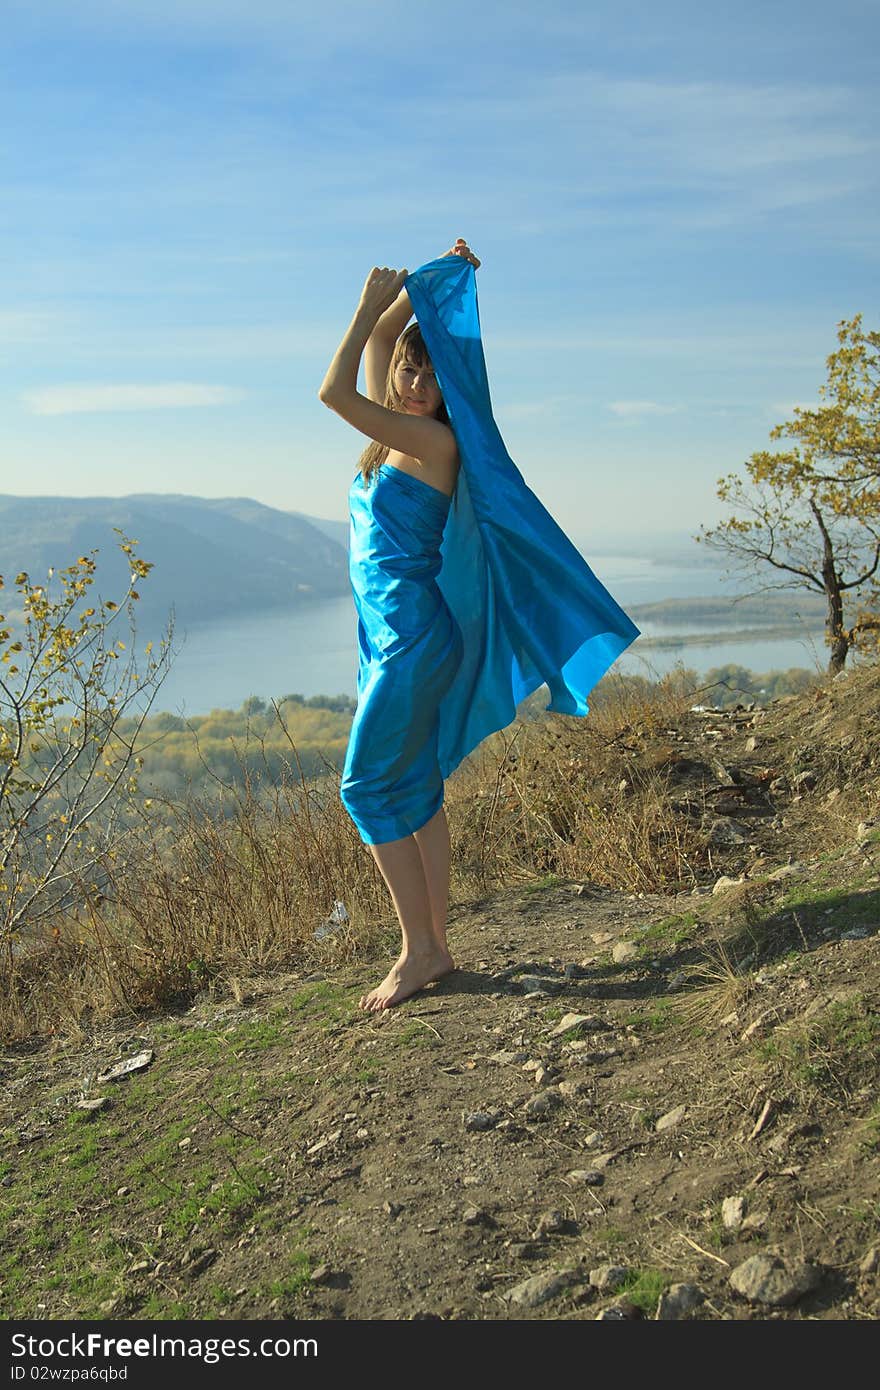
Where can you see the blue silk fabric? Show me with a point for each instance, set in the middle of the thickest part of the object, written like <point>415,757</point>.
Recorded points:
<point>448,650</point>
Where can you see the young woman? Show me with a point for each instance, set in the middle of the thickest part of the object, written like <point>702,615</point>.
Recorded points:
<point>410,645</point>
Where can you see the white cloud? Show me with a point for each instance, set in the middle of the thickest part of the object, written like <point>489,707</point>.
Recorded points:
<point>99,399</point>
<point>629,408</point>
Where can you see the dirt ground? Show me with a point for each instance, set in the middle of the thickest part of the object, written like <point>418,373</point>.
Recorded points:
<point>613,1095</point>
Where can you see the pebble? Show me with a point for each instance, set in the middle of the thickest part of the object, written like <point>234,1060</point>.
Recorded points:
<point>591,1022</point>
<point>92,1106</point>
<point>550,1223</point>
<point>723,883</point>
<point>481,1119</point>
<point>542,1106</point>
<point>870,1263</point>
<point>733,1210</point>
<point>608,1278</point>
<point>670,1119</point>
<point>623,951</point>
<point>590,1177</point>
<point>768,1279</point>
<point>540,1288</point>
<point>473,1216</point>
<point>678,1301</point>
<point>131,1064</point>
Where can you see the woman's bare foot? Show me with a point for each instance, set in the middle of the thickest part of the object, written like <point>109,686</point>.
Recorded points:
<point>407,975</point>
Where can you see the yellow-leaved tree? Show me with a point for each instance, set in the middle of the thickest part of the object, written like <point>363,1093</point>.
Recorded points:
<point>811,512</point>
<point>68,778</point>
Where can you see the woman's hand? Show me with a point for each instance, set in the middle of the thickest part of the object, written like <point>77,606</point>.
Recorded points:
<point>461,248</point>
<point>381,289</point>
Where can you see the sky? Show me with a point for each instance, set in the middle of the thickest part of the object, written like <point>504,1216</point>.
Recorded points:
<point>675,205</point>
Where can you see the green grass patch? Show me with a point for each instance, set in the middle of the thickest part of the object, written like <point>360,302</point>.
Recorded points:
<point>540,885</point>
<point>833,1051</point>
<point>643,1288</point>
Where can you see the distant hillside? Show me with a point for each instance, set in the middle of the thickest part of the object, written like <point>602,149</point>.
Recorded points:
<point>213,557</point>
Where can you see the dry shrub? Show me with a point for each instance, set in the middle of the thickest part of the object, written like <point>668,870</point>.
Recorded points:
<point>563,795</point>
<point>209,889</point>
<point>206,889</point>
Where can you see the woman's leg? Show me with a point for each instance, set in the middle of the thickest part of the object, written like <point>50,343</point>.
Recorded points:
<point>424,956</point>
<point>435,850</point>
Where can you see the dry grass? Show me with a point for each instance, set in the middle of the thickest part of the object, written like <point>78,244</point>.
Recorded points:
<point>209,891</point>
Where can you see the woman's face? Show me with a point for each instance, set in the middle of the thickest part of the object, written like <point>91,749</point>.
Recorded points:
<point>417,388</point>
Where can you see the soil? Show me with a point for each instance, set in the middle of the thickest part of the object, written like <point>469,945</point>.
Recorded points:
<point>282,1154</point>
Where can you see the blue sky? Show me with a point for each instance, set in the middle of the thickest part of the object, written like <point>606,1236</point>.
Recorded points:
<point>675,204</point>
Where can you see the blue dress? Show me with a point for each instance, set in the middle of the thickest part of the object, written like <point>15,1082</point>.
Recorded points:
<point>464,608</point>
<point>409,649</point>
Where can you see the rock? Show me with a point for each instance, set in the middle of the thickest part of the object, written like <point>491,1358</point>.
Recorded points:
<point>540,1288</point>
<point>589,1177</point>
<point>507,1059</point>
<point>572,1089</point>
<point>601,938</point>
<point>724,831</point>
<point>855,934</point>
<point>593,1139</point>
<point>609,1278</point>
<point>473,1216</point>
<point>550,1223</point>
<point>126,1068</point>
<point>537,984</point>
<point>751,744</point>
<point>591,1022</point>
<point>678,1301</point>
<point>321,1274</point>
<point>670,1119</point>
<point>722,884</point>
<point>198,1259</point>
<point>768,1279</point>
<point>623,951</point>
<point>481,1119</point>
<point>864,829</point>
<point>733,1210</point>
<point>786,871</point>
<point>804,781</point>
<point>392,1209</point>
<point>93,1106</point>
<point>542,1106</point>
<point>618,1312</point>
<point>870,1263</point>
<point>184,1143</point>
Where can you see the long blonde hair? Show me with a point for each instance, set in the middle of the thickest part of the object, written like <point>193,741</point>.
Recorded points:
<point>410,347</point>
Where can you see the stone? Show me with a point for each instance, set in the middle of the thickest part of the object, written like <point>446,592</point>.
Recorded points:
<point>591,1022</point>
<point>769,1280</point>
<point>725,831</point>
<point>481,1119</point>
<point>540,1107</point>
<point>473,1216</point>
<point>537,984</point>
<point>870,1262</point>
<point>321,1274</point>
<point>722,884</point>
<point>623,951</point>
<point>670,1119</point>
<point>550,1223</point>
<point>733,1210</point>
<point>93,1106</point>
<point>609,1278</point>
<point>126,1068</point>
<point>678,1301</point>
<point>572,1089</point>
<point>589,1177</point>
<point>540,1288</point>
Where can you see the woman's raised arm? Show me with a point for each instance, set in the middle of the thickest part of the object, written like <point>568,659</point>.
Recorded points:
<point>389,326</point>
<point>418,436</point>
